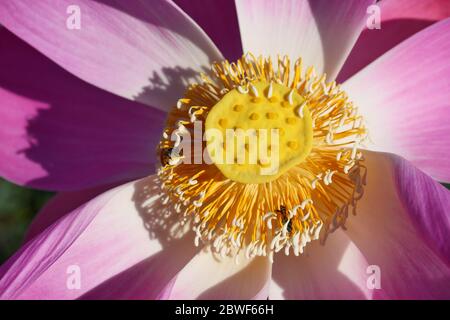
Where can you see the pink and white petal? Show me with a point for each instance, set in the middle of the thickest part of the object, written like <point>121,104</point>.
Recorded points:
<point>100,239</point>
<point>60,133</point>
<point>336,270</point>
<point>138,50</point>
<point>150,279</point>
<point>212,277</point>
<point>202,277</point>
<point>399,20</point>
<point>404,98</point>
<point>219,20</point>
<point>402,226</point>
<point>322,32</point>
<point>59,205</point>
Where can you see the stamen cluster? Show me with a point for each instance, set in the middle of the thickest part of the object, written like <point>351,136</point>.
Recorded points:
<point>304,203</point>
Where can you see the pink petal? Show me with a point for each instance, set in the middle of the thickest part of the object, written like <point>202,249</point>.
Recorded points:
<point>160,277</point>
<point>400,19</point>
<point>428,204</point>
<point>179,274</point>
<point>58,206</point>
<point>219,20</point>
<point>211,277</point>
<point>111,234</point>
<point>149,279</point>
<point>322,32</point>
<point>336,270</point>
<point>60,133</point>
<point>402,226</point>
<point>404,97</point>
<point>141,51</point>
<point>163,276</point>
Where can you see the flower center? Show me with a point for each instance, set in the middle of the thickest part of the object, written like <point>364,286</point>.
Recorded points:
<point>277,164</point>
<point>260,131</point>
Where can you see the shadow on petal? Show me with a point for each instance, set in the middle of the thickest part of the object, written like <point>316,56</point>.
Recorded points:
<point>152,277</point>
<point>338,28</point>
<point>60,133</point>
<point>149,279</point>
<point>179,269</point>
<point>108,239</point>
<point>165,85</point>
<point>250,282</point>
<point>322,271</point>
<point>169,83</point>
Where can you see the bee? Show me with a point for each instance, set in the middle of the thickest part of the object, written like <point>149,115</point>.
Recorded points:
<point>284,217</point>
<point>165,156</point>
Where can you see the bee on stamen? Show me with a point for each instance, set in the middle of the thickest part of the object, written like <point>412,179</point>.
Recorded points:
<point>168,154</point>
<point>285,218</point>
<point>165,156</point>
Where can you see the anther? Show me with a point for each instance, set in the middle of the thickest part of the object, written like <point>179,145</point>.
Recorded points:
<point>329,137</point>
<point>305,202</point>
<point>300,109</point>
<point>291,97</point>
<point>270,90</point>
<point>180,103</point>
<point>243,90</point>
<point>254,91</point>
<point>306,216</point>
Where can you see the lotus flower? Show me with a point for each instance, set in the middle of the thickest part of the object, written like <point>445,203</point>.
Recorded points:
<point>355,212</point>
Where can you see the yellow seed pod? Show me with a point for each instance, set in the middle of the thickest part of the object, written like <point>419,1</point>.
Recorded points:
<point>256,135</point>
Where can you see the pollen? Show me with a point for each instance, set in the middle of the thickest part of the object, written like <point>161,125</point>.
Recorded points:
<point>262,157</point>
